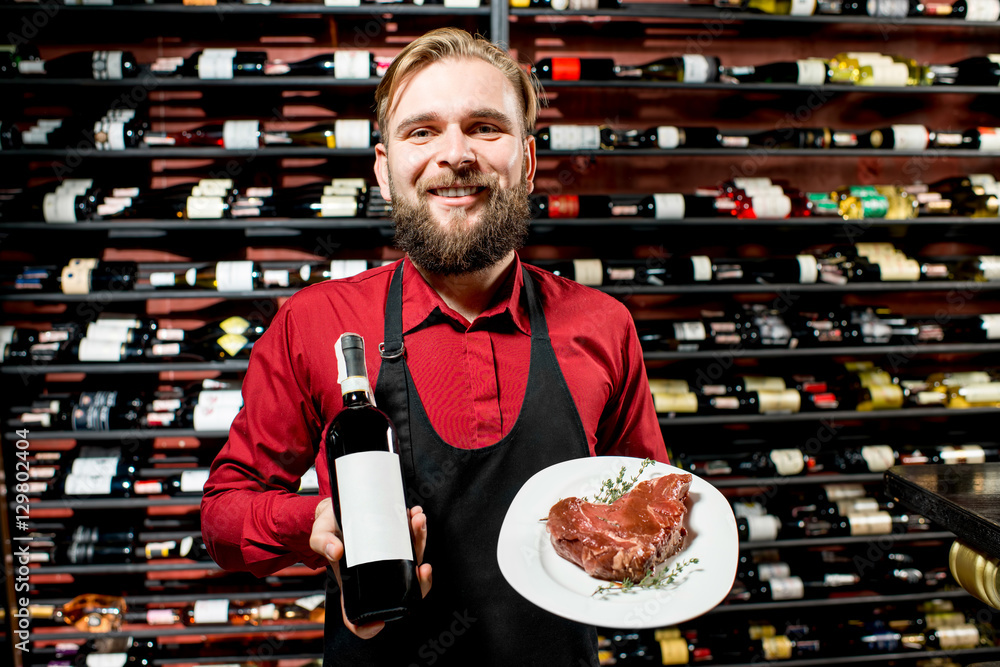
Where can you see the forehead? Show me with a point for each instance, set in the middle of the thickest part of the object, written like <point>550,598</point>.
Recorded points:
<point>453,87</point>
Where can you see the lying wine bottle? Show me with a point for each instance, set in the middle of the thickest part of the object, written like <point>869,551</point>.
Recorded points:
<point>378,571</point>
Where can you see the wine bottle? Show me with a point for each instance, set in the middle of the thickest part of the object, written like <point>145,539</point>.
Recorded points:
<point>675,206</point>
<point>344,64</point>
<point>805,72</point>
<point>223,276</point>
<point>189,482</point>
<point>342,133</point>
<point>575,69</point>
<point>214,348</point>
<point>213,63</point>
<point>83,553</point>
<point>576,138</point>
<point>310,274</point>
<point>688,68</point>
<point>90,276</point>
<point>668,137</point>
<point>101,65</point>
<point>653,271</point>
<point>986,139</point>
<point>226,612</point>
<point>231,135</point>
<point>88,612</point>
<point>378,571</point>
<point>775,7</point>
<point>980,11</point>
<point>975,71</point>
<point>210,410</point>
<point>896,137</point>
<point>571,206</point>
<point>771,463</point>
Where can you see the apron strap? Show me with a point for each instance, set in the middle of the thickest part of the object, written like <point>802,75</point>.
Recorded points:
<point>392,372</point>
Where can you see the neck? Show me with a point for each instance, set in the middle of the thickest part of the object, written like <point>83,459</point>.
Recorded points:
<point>470,294</point>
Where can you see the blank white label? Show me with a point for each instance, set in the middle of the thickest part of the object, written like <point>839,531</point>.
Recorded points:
<point>352,133</point>
<point>235,276</point>
<point>909,137</point>
<point>240,134</point>
<point>96,349</point>
<point>811,72</point>
<point>574,137</point>
<point>986,11</point>
<point>211,611</point>
<point>669,206</point>
<point>372,508</point>
<point>193,481</point>
<point>696,68</point>
<point>352,65</point>
<point>668,136</point>
<point>701,266</point>
<point>216,64</point>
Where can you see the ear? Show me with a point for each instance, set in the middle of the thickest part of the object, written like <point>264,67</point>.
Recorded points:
<point>530,162</point>
<point>382,170</point>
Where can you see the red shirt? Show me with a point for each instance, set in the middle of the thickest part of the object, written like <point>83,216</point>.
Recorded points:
<point>470,377</point>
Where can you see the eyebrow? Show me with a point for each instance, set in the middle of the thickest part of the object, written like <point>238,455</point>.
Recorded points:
<point>487,113</point>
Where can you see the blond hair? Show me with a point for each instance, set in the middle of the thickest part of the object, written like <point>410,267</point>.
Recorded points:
<point>455,43</point>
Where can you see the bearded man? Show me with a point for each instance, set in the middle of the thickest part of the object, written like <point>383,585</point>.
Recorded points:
<point>494,370</point>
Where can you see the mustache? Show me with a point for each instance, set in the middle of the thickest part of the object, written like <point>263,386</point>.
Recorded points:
<point>460,180</point>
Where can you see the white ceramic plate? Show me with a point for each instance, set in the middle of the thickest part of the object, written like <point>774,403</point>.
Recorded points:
<point>531,565</point>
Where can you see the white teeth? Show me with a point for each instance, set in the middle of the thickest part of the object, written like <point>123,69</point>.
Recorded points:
<point>455,192</point>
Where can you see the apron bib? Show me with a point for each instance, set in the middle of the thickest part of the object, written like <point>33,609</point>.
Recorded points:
<point>471,616</point>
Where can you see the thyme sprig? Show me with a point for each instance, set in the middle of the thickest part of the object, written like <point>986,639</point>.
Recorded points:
<point>613,489</point>
<point>651,580</point>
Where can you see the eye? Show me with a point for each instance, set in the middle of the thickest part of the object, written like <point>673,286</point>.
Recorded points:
<point>422,133</point>
<point>486,129</point>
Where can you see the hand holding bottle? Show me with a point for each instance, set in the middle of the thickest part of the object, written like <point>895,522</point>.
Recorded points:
<point>325,540</point>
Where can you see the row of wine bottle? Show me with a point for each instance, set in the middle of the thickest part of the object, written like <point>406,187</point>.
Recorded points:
<point>911,137</point>
<point>869,458</point>
<point>748,326</point>
<point>78,200</point>
<point>91,276</point>
<point>123,129</point>
<point>857,68</point>
<point>201,410</point>
<point>976,11</point>
<point>882,630</point>
<point>861,387</point>
<point>758,326</point>
<point>94,612</point>
<point>861,68</point>
<point>206,64</point>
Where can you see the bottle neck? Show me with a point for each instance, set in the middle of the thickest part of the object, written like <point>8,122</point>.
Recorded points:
<point>356,392</point>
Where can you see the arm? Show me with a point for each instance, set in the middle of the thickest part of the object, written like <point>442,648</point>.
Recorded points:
<point>629,425</point>
<point>252,519</point>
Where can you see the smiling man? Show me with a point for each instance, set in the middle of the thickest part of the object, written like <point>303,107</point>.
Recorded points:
<point>491,369</point>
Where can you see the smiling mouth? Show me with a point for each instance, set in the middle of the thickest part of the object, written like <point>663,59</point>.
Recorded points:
<point>456,192</point>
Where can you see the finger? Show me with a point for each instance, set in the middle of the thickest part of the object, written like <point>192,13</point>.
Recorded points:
<point>425,576</point>
<point>365,631</point>
<point>418,528</point>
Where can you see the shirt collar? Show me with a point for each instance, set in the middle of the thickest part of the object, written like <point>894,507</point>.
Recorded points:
<point>420,301</point>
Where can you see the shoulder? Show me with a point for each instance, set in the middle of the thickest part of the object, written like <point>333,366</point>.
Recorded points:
<point>562,296</point>
<point>355,294</point>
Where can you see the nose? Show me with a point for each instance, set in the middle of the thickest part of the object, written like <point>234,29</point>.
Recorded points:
<point>455,149</point>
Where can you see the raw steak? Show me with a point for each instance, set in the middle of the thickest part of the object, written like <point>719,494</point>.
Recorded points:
<point>628,537</point>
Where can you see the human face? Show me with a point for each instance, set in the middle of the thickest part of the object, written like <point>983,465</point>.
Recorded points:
<point>460,167</point>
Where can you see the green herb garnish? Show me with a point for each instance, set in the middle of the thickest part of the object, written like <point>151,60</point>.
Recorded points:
<point>612,490</point>
<point>652,579</point>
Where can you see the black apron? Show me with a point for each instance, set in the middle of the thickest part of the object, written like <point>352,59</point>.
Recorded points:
<point>471,616</point>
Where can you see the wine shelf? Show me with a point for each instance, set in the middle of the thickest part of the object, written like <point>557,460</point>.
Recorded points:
<point>778,87</point>
<point>538,224</point>
<point>238,365</point>
<point>618,290</point>
<point>136,434</point>
<point>885,658</point>
<point>230,366</point>
<point>794,480</point>
<point>150,81</point>
<point>335,153</point>
<point>126,568</point>
<point>226,8</point>
<point>702,13</point>
<point>200,152</point>
<point>828,416</point>
<point>854,539</point>
<point>859,350</point>
<point>840,601</point>
<point>172,631</point>
<point>115,503</point>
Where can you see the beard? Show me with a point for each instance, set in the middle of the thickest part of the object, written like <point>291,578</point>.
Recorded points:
<point>456,248</point>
